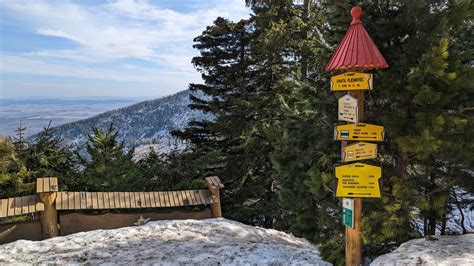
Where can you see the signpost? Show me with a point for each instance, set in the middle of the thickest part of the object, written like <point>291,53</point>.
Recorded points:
<point>356,53</point>
<point>359,151</point>
<point>359,131</point>
<point>348,109</point>
<point>351,81</point>
<point>358,180</point>
<point>348,212</point>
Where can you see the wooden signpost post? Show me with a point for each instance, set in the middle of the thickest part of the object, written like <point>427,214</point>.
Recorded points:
<point>354,181</point>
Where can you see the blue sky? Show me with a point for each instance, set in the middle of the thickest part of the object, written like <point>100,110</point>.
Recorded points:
<point>88,48</point>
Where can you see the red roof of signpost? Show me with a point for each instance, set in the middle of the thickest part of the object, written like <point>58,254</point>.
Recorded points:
<point>356,50</point>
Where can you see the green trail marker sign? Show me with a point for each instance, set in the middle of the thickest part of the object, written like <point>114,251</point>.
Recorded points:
<point>348,212</point>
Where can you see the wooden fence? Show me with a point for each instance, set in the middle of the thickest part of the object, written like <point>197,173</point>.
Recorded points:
<point>49,201</point>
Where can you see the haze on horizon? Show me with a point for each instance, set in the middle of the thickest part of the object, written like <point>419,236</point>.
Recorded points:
<point>116,48</point>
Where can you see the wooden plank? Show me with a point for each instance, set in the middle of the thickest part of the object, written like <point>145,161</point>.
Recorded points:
<point>176,198</point>
<point>147,200</point>
<point>185,198</point>
<point>31,203</point>
<point>173,199</point>
<point>105,196</point>
<point>70,200</point>
<point>141,200</point>
<point>197,197</point>
<point>191,200</point>
<point>203,200</point>
<point>188,197</point>
<point>111,200</point>
<point>208,195</point>
<point>197,201</point>
<point>128,199</point>
<point>121,201</point>
<point>136,200</point>
<point>39,185</point>
<point>88,200</point>
<point>62,202</point>
<point>153,200</point>
<point>17,202</point>
<point>3,208</point>
<point>100,200</point>
<point>53,184</point>
<point>95,200</point>
<point>65,202</point>
<point>170,195</point>
<point>161,201</point>
<point>157,199</point>
<point>77,200</point>
<point>82,200</point>
<point>133,203</point>
<point>58,201</point>
<point>24,204</point>
<point>46,184</point>
<point>165,200</point>
<point>116,200</point>
<point>11,207</point>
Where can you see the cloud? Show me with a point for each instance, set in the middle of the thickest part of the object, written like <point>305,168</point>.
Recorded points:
<point>110,32</point>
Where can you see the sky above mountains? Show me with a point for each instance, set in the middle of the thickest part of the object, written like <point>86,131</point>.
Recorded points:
<point>121,48</point>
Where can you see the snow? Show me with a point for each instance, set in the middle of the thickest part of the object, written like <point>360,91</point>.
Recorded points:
<point>209,242</point>
<point>447,250</point>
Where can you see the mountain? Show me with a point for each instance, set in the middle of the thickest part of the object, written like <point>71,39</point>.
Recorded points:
<point>143,123</point>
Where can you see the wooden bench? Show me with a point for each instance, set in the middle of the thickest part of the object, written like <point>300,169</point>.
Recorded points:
<point>129,200</point>
<point>49,200</point>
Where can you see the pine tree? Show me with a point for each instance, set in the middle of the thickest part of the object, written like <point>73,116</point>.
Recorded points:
<point>108,166</point>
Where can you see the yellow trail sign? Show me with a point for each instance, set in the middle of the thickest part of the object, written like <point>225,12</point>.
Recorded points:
<point>359,131</point>
<point>358,180</point>
<point>348,109</point>
<point>359,151</point>
<point>351,81</point>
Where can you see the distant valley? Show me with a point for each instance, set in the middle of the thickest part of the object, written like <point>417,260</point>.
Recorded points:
<point>35,114</point>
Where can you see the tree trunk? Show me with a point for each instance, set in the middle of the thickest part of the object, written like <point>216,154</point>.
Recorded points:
<point>304,58</point>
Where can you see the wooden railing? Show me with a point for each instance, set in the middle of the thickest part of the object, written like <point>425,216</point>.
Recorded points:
<point>49,201</point>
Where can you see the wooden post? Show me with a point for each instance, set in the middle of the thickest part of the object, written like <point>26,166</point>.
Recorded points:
<point>214,184</point>
<point>354,235</point>
<point>49,217</point>
<point>47,188</point>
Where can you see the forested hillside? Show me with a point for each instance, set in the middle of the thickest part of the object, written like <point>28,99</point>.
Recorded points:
<point>146,122</point>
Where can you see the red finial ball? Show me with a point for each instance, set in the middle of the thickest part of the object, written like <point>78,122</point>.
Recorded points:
<point>355,13</point>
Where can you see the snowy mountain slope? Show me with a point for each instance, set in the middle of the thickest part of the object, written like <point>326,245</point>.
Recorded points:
<point>147,122</point>
<point>203,242</point>
<point>447,250</point>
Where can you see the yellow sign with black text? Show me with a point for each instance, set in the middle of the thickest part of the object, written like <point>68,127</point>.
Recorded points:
<point>351,81</point>
<point>358,180</point>
<point>359,151</point>
<point>348,109</point>
<point>359,131</point>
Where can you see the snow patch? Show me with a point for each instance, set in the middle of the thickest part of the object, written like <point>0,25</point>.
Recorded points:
<point>209,242</point>
<point>447,250</point>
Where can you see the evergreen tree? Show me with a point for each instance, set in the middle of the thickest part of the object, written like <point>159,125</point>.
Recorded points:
<point>107,165</point>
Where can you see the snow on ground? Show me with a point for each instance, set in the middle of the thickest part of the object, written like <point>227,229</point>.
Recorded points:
<point>447,250</point>
<point>208,242</point>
